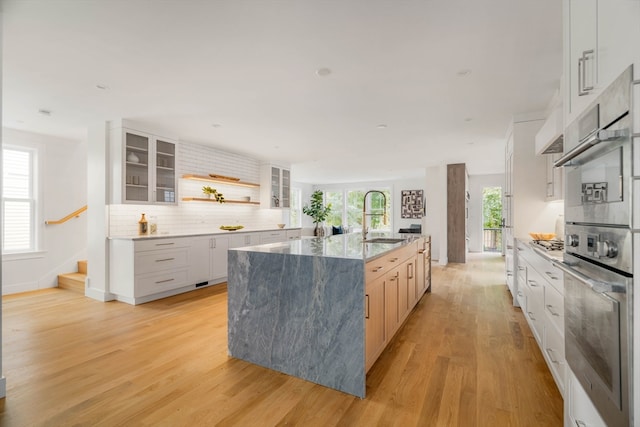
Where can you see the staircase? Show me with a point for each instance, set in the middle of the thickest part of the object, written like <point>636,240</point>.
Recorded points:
<point>74,281</point>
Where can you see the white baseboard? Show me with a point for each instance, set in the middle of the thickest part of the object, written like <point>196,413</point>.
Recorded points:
<point>99,294</point>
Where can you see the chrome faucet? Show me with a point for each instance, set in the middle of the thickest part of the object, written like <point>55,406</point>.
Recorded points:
<point>364,212</point>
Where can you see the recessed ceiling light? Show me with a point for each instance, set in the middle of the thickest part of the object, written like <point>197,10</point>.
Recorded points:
<point>102,87</point>
<point>215,125</point>
<point>381,126</point>
<point>323,72</point>
<point>463,73</point>
<point>44,112</point>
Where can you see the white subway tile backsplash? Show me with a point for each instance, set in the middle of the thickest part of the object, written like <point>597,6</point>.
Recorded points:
<point>201,217</point>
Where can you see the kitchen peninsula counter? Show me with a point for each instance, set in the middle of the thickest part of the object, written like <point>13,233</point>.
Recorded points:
<point>299,306</point>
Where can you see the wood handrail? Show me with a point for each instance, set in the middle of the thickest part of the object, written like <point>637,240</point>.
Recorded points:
<point>68,217</point>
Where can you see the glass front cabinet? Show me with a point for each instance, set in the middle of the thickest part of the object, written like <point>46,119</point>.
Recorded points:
<point>144,168</point>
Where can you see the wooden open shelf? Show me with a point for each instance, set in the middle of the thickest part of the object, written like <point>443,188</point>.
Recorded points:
<point>221,181</point>
<point>201,199</point>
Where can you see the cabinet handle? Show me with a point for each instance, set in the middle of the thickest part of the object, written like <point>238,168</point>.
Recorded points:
<point>410,270</point>
<point>531,316</point>
<point>165,259</point>
<point>366,308</point>
<point>521,268</point>
<point>583,89</point>
<point>533,283</point>
<point>550,353</point>
<point>376,269</point>
<point>421,251</point>
<point>553,313</point>
<point>165,244</point>
<point>165,281</point>
<point>393,259</point>
<point>581,423</point>
<point>551,275</point>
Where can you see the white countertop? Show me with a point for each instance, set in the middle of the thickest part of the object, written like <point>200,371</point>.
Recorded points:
<point>213,232</point>
<point>348,246</point>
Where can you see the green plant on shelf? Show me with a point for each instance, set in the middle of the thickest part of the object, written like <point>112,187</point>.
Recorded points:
<point>212,193</point>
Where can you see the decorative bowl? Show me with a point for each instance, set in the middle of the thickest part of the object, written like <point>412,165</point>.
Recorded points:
<point>231,227</point>
<point>542,236</point>
<point>280,225</point>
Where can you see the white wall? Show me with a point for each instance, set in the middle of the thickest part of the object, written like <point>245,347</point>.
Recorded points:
<point>62,177</point>
<point>476,184</point>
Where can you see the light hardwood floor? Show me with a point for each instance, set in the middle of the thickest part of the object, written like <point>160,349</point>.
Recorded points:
<point>464,357</point>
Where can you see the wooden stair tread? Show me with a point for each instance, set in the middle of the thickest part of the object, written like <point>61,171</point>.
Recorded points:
<point>72,281</point>
<point>82,266</point>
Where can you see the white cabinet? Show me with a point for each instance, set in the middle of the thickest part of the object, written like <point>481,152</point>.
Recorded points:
<point>579,411</point>
<point>540,292</point>
<point>602,38</point>
<point>219,256</point>
<point>200,259</point>
<point>555,180</point>
<point>273,236</point>
<point>275,187</point>
<point>294,234</point>
<point>244,239</point>
<point>143,270</point>
<point>143,168</point>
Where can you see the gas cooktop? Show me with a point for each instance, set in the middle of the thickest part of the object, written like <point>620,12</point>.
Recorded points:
<point>549,245</point>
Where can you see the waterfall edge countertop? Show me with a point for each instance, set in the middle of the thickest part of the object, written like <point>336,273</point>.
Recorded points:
<point>298,307</point>
<point>347,246</point>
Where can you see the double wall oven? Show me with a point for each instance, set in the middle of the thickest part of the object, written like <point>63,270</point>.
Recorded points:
<point>598,260</point>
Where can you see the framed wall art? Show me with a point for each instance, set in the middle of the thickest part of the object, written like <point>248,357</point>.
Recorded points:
<point>412,204</point>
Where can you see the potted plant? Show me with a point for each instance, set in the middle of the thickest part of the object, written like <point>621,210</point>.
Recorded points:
<point>317,211</point>
<point>213,193</point>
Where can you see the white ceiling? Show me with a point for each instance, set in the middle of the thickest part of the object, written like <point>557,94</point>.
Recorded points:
<point>250,66</point>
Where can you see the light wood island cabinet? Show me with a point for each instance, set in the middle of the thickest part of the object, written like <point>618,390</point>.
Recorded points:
<point>393,288</point>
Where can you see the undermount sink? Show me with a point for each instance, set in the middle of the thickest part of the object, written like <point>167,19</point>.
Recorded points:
<point>383,240</point>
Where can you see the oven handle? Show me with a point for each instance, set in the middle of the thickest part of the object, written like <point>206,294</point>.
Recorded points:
<point>595,285</point>
<point>598,137</point>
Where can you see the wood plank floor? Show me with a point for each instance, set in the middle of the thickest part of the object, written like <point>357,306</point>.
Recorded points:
<point>465,357</point>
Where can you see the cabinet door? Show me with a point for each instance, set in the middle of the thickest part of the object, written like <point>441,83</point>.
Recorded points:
<point>391,291</point>
<point>219,256</point>
<point>403,292</point>
<point>555,190</point>
<point>285,189</point>
<point>583,58</point>
<point>420,271</point>
<point>165,171</point>
<point>136,171</point>
<point>200,260</point>
<point>375,334</point>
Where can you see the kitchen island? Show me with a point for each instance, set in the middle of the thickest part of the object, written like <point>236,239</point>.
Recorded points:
<point>312,307</point>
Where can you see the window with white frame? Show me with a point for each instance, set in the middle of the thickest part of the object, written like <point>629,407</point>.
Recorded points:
<point>346,208</point>
<point>18,200</point>
<point>295,208</point>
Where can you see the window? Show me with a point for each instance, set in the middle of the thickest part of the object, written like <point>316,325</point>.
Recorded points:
<point>295,211</point>
<point>346,209</point>
<point>18,200</point>
<point>336,200</point>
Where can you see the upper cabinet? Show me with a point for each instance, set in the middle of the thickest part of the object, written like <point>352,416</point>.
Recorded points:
<point>143,168</point>
<point>550,143</point>
<point>602,38</point>
<point>276,187</point>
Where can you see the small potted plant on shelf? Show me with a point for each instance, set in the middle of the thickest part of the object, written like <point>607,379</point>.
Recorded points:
<point>317,211</point>
<point>212,193</point>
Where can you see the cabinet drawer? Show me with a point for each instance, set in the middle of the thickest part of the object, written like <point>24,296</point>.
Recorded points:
<point>153,261</point>
<point>554,306</point>
<point>554,354</point>
<point>273,237</point>
<point>554,276</point>
<point>387,262</point>
<point>157,244</point>
<point>156,283</point>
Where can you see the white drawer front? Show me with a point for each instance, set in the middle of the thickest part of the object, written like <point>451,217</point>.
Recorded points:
<point>156,244</point>
<point>151,262</point>
<point>554,353</point>
<point>156,283</point>
<point>554,307</point>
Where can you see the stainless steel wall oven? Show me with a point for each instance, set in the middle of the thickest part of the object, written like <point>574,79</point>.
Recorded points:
<point>598,260</point>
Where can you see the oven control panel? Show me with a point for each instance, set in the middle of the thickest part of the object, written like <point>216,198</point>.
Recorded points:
<point>607,245</point>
